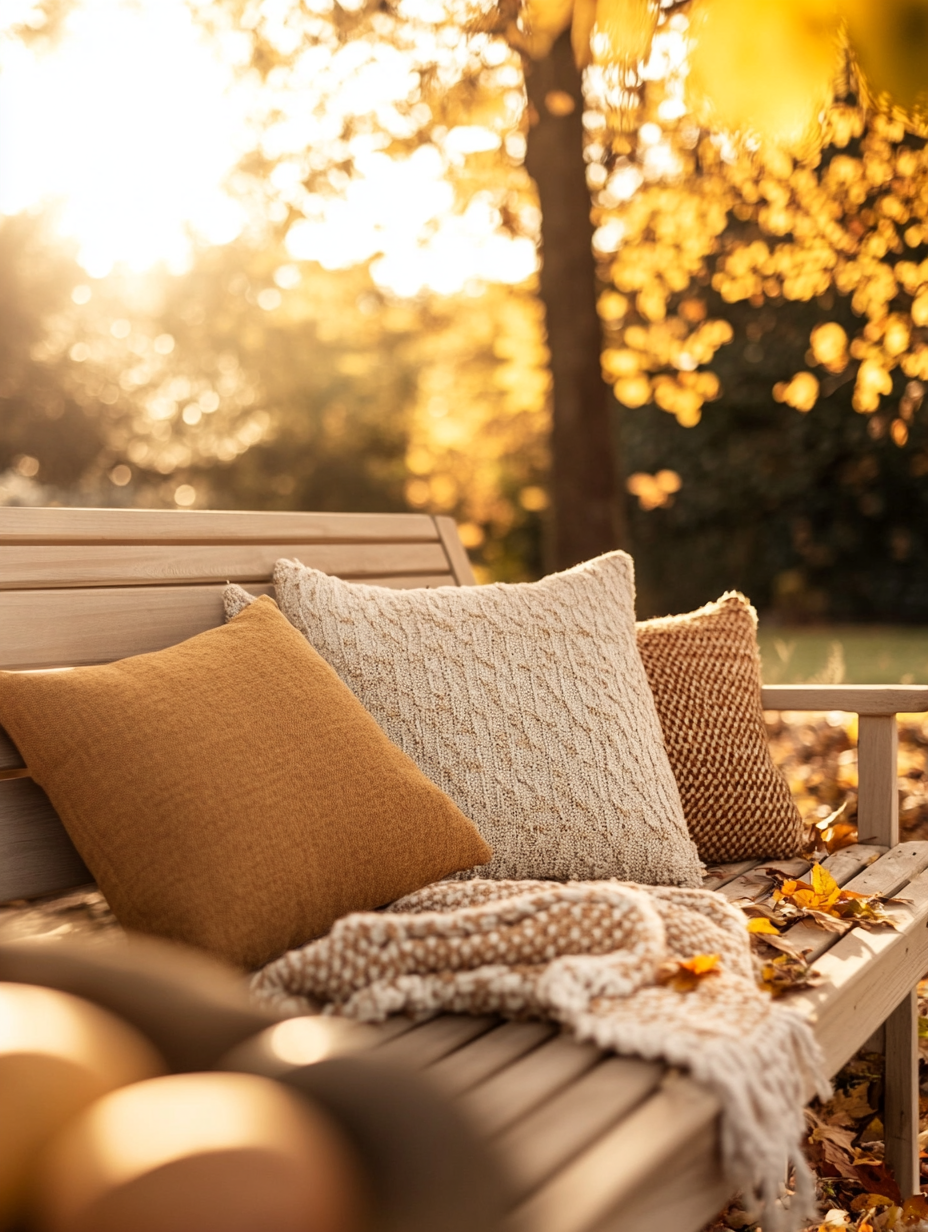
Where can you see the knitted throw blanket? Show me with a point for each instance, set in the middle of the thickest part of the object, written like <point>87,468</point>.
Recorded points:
<point>598,957</point>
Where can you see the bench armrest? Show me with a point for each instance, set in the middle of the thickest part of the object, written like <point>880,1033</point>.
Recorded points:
<point>877,742</point>
<point>882,699</point>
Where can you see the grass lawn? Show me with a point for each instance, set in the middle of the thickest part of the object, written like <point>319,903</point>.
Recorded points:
<point>838,654</point>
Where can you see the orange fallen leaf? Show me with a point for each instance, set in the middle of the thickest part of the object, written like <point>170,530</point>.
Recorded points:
<point>685,976</point>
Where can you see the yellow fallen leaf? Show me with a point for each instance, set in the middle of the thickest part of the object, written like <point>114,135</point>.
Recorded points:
<point>760,925</point>
<point>701,964</point>
<point>824,885</point>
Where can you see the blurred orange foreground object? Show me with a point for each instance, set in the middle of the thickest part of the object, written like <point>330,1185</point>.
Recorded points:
<point>200,1153</point>
<point>57,1055</point>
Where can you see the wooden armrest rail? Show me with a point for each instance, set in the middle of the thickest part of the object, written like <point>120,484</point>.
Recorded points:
<point>881,699</point>
<point>877,741</point>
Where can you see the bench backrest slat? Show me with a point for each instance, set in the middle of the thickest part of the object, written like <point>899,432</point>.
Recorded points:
<point>36,855</point>
<point>82,586</point>
<point>210,526</point>
<point>146,564</point>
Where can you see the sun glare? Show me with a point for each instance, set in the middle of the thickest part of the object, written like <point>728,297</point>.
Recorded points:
<point>131,123</point>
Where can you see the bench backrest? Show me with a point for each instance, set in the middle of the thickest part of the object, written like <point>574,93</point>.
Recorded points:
<point>81,586</point>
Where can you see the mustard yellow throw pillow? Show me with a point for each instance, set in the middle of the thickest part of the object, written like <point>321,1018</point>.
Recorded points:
<point>230,791</point>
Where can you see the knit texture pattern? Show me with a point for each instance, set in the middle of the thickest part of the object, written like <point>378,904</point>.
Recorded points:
<point>593,957</point>
<point>527,704</point>
<point>704,672</point>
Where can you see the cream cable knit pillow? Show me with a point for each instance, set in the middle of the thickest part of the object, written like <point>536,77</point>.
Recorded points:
<point>527,704</point>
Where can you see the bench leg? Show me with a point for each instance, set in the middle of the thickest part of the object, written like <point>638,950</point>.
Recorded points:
<point>901,1095</point>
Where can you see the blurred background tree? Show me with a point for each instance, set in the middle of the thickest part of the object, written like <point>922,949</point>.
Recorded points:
<point>738,327</point>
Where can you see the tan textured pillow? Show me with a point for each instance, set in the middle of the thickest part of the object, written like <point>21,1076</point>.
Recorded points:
<point>704,670</point>
<point>526,703</point>
<point>230,792</point>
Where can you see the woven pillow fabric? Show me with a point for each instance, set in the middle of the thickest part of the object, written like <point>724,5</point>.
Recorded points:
<point>230,792</point>
<point>704,671</point>
<point>527,704</point>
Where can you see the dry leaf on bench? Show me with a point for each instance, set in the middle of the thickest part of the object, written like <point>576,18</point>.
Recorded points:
<point>787,973</point>
<point>685,976</point>
<point>824,901</point>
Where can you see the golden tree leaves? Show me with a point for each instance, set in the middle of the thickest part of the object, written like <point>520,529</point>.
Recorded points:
<point>801,392</point>
<point>828,343</point>
<point>623,31</point>
<point>840,222</point>
<point>654,491</point>
<point>890,41</point>
<point>766,68</point>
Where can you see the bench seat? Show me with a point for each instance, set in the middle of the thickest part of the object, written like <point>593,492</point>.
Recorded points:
<point>585,1137</point>
<point>592,1142</point>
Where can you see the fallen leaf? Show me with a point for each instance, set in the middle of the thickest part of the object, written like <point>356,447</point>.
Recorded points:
<point>915,1209</point>
<point>685,976</point>
<point>834,1133</point>
<point>830,923</point>
<point>787,973</point>
<point>839,1160</point>
<point>873,1133</point>
<point>835,1221</point>
<point>763,925</point>
<point>870,1202</point>
<point>777,942</point>
<point>853,1103</point>
<point>823,901</point>
<point>879,1180</point>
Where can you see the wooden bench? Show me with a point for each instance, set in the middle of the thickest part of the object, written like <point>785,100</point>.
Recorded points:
<point>592,1142</point>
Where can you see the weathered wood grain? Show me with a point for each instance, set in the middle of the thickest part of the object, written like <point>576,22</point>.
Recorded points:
<point>36,855</point>
<point>877,772</point>
<point>34,526</point>
<point>488,1055</point>
<point>457,554</point>
<point>851,698</point>
<point>900,1100</point>
<point>143,564</point>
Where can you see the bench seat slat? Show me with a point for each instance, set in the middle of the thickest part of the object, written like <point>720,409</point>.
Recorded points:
<point>719,875</point>
<point>489,1054</point>
<point>686,1196</point>
<point>755,886</point>
<point>70,565</point>
<point>528,1083</point>
<point>430,1041</point>
<point>629,1155</point>
<point>806,935</point>
<point>537,1146</point>
<point>34,526</point>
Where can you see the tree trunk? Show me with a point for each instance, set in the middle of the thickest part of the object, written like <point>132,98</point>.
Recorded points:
<point>588,507</point>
